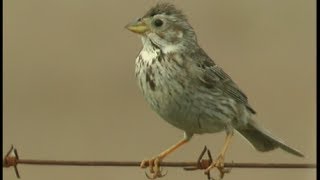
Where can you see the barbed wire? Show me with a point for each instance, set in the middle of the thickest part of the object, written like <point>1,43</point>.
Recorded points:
<point>12,160</point>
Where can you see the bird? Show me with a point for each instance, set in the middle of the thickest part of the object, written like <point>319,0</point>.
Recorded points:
<point>186,88</point>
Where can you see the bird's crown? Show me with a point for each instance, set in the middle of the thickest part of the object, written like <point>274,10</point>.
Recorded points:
<point>165,8</point>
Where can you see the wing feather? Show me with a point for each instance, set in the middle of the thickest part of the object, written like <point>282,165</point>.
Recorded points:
<point>214,77</point>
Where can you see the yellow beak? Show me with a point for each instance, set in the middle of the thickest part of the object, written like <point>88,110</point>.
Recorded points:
<point>137,27</point>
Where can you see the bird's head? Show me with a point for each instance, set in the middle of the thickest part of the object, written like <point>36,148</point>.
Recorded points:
<point>166,27</point>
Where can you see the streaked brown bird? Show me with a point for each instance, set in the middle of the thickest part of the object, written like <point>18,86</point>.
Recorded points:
<point>188,89</point>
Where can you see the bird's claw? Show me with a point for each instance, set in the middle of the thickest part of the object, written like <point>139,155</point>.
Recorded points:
<point>154,168</point>
<point>155,175</point>
<point>219,164</point>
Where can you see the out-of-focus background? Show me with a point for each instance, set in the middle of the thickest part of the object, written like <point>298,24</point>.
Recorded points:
<point>70,91</point>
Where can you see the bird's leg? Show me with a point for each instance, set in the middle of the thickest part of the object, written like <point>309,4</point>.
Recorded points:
<point>154,162</point>
<point>219,162</point>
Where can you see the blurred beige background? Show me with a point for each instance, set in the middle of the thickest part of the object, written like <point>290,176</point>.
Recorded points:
<point>70,91</point>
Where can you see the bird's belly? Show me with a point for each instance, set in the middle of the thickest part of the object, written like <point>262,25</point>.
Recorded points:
<point>193,122</point>
<point>178,106</point>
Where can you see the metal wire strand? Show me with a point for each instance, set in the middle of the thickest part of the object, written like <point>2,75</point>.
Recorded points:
<point>12,160</point>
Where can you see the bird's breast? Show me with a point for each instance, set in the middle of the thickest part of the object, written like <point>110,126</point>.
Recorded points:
<point>162,82</point>
<point>159,80</point>
<point>168,87</point>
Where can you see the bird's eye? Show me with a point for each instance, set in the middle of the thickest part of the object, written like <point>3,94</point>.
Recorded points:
<point>158,22</point>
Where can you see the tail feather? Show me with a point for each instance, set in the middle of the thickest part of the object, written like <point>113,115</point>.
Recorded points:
<point>264,141</point>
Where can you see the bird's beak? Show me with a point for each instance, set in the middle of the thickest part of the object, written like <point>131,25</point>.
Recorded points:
<point>138,26</point>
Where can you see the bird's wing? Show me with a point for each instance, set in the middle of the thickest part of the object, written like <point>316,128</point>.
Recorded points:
<point>213,76</point>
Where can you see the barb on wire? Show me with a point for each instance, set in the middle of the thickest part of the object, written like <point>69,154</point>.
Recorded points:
<point>12,159</point>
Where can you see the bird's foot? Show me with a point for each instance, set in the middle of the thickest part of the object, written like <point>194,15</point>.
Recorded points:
<point>219,165</point>
<point>154,168</point>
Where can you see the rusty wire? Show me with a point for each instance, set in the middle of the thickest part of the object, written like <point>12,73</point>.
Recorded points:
<point>12,160</point>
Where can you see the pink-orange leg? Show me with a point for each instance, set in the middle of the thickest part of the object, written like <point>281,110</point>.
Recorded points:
<point>153,163</point>
<point>219,162</point>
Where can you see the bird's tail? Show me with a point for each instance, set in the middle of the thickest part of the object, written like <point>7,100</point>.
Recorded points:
<point>263,140</point>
